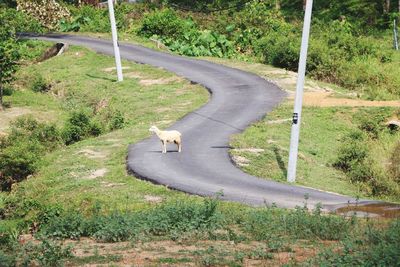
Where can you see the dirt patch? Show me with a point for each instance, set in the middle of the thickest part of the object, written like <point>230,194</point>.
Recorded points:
<point>163,109</point>
<point>184,104</point>
<point>150,82</point>
<point>325,99</point>
<point>186,253</point>
<point>279,121</point>
<point>111,69</point>
<point>92,154</point>
<point>133,75</point>
<point>250,150</point>
<point>240,161</point>
<point>103,103</point>
<point>107,184</point>
<point>10,114</point>
<point>96,174</point>
<point>153,199</point>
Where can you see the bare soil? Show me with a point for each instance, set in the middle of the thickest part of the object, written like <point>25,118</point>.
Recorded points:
<point>325,99</point>
<point>186,253</point>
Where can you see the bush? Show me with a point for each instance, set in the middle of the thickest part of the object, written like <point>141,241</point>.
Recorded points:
<point>117,121</point>
<point>8,57</point>
<point>21,151</point>
<point>183,35</point>
<point>374,247</point>
<point>394,167</point>
<point>20,21</point>
<point>44,253</point>
<point>272,223</point>
<point>165,23</point>
<point>39,85</point>
<point>26,127</point>
<point>373,123</point>
<point>77,128</point>
<point>18,161</point>
<point>171,219</point>
<point>353,152</point>
<point>47,12</point>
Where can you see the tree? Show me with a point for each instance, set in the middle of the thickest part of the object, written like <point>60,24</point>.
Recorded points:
<point>8,58</point>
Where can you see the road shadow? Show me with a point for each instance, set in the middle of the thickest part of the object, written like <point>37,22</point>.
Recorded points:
<point>219,121</point>
<point>101,78</point>
<point>160,152</point>
<point>228,147</point>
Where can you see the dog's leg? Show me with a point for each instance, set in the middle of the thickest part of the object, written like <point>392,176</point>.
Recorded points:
<point>162,145</point>
<point>165,147</point>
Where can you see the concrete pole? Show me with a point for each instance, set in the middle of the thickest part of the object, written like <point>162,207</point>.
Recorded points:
<point>115,40</point>
<point>294,140</point>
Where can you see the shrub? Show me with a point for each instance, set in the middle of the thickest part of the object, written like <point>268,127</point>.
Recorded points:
<point>374,247</point>
<point>7,259</point>
<point>45,253</point>
<point>352,152</point>
<point>117,121</point>
<point>18,161</point>
<point>8,57</point>
<point>26,127</point>
<point>48,12</point>
<point>20,21</point>
<point>165,23</point>
<point>373,123</point>
<point>40,85</point>
<point>271,223</point>
<point>183,35</point>
<point>171,219</point>
<point>88,19</point>
<point>394,167</point>
<point>22,150</point>
<point>78,127</point>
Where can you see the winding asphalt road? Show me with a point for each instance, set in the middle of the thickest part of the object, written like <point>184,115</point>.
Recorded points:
<point>204,167</point>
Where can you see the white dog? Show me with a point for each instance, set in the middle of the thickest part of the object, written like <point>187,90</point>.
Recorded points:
<point>168,137</point>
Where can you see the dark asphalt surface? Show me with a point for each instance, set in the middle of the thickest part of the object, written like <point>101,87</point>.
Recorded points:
<point>204,167</point>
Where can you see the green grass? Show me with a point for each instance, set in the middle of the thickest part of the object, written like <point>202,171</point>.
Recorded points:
<point>321,136</point>
<point>79,81</point>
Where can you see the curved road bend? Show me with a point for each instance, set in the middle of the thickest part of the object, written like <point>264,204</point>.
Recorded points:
<point>204,167</point>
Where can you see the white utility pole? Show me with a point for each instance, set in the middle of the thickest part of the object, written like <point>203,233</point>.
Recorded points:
<point>294,140</point>
<point>115,40</point>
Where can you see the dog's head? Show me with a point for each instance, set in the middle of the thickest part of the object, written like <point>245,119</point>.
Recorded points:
<point>153,129</point>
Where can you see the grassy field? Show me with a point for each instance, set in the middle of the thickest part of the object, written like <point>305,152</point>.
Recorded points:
<point>329,114</point>
<point>94,170</point>
<point>83,196</point>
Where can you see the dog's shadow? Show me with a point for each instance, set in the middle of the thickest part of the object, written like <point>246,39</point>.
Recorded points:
<point>160,152</point>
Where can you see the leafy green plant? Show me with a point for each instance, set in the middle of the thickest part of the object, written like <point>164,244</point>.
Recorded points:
<point>117,121</point>
<point>353,151</point>
<point>80,126</point>
<point>20,21</point>
<point>373,247</point>
<point>394,167</point>
<point>21,151</point>
<point>8,57</point>
<point>40,85</point>
<point>165,23</point>
<point>48,12</point>
<point>171,219</point>
<point>271,223</point>
<point>183,35</point>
